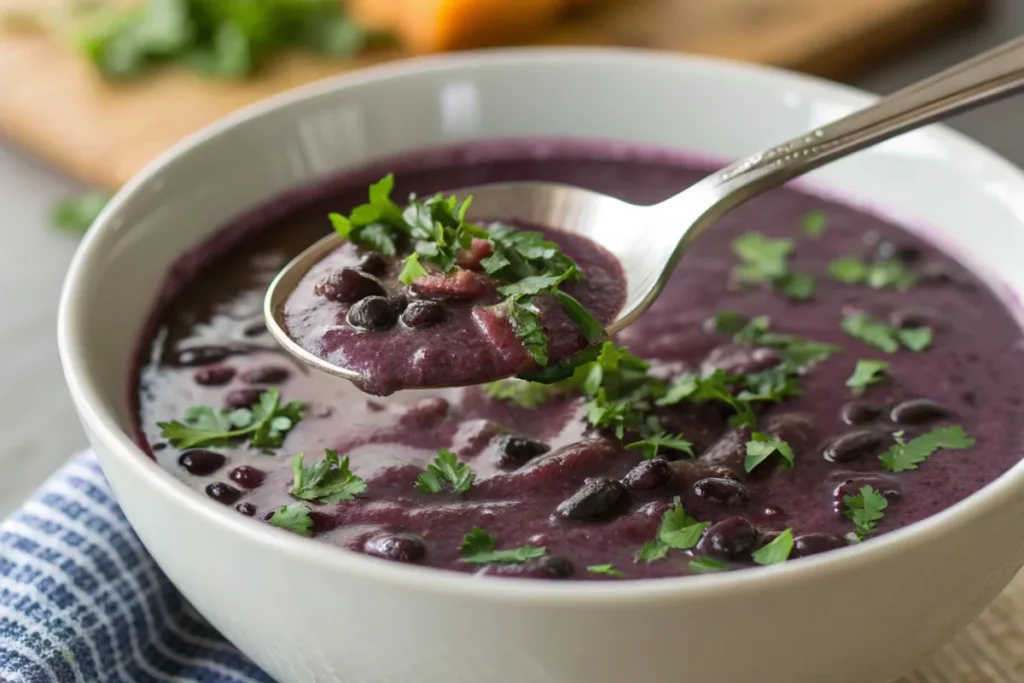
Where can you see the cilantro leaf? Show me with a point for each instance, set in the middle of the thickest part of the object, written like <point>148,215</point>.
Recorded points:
<point>591,328</point>
<point>678,531</point>
<point>866,373</point>
<point>865,510</point>
<point>294,518</point>
<point>885,337</point>
<point>797,286</point>
<point>814,224</point>
<point>727,322</point>
<point>907,456</point>
<point>265,424</point>
<point>764,260</point>
<point>652,444</point>
<point>535,284</point>
<point>776,551</point>
<point>445,468</point>
<point>606,570</point>
<point>525,321</point>
<point>328,481</point>
<point>522,393</point>
<point>797,352</point>
<point>879,275</point>
<point>705,565</point>
<point>652,551</point>
<point>714,387</point>
<point>412,270</point>
<point>479,547</point>
<point>848,270</point>
<point>76,214</point>
<point>762,446</point>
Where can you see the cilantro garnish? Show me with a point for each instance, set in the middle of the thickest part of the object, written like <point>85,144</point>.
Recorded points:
<point>814,224</point>
<point>764,260</point>
<point>885,337</point>
<point>265,424</point>
<point>328,481</point>
<point>678,531</point>
<point>294,518</point>
<point>714,387</point>
<point>777,551</point>
<point>652,444</point>
<point>762,446</point>
<point>878,275</point>
<point>797,352</point>
<point>866,373</point>
<point>76,214</point>
<point>727,322</point>
<point>706,565</point>
<point>445,468</point>
<point>524,318</point>
<point>606,570</point>
<point>903,456</point>
<point>478,547</point>
<point>412,270</point>
<point>865,510</point>
<point>522,393</point>
<point>221,38</point>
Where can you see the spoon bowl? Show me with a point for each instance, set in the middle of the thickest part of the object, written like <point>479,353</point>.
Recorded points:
<point>649,241</point>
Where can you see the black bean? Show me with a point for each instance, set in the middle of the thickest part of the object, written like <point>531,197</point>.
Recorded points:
<point>854,445</point>
<point>223,493</point>
<point>373,264</point>
<point>423,314</point>
<point>547,567</point>
<point>733,538</point>
<point>348,285</point>
<point>900,252</point>
<point>372,313</point>
<point>596,498</point>
<point>247,477</point>
<point>648,475</point>
<point>515,451</point>
<point>201,355</point>
<point>242,398</point>
<point>214,376</point>
<point>406,548</point>
<point>919,411</point>
<point>722,491</point>
<point>814,543</point>
<point>201,462</point>
<point>938,273</point>
<point>265,374</point>
<point>555,566</point>
<point>247,509</point>
<point>905,318</point>
<point>730,451</point>
<point>859,412</point>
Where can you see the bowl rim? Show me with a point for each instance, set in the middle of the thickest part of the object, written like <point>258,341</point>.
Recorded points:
<point>101,422</point>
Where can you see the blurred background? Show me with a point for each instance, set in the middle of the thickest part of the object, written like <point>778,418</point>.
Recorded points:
<point>91,90</point>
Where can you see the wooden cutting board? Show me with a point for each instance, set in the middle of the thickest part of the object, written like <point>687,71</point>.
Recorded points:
<point>54,104</point>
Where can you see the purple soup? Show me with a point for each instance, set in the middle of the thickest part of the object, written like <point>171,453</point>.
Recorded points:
<point>811,377</point>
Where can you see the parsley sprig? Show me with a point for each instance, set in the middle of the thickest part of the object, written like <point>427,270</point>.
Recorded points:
<point>265,424</point>
<point>327,481</point>
<point>885,337</point>
<point>907,455</point>
<point>678,531</point>
<point>446,468</point>
<point>479,547</point>
<point>865,509</point>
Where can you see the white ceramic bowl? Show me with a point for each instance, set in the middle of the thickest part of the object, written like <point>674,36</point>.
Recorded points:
<point>305,611</point>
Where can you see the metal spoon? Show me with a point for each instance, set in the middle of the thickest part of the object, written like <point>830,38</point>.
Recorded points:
<point>660,234</point>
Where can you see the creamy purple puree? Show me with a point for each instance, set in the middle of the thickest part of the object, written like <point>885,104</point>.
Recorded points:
<point>817,378</point>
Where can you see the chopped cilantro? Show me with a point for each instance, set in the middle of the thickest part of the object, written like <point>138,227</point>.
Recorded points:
<point>445,468</point>
<point>878,275</point>
<point>713,387</point>
<point>885,337</point>
<point>652,444</point>
<point>865,510</point>
<point>866,373</point>
<point>591,328</point>
<point>328,481</point>
<point>294,518</point>
<point>762,446</point>
<point>903,456</point>
<point>797,353</point>
<point>706,565</point>
<point>76,214</point>
<point>814,224</point>
<point>412,270</point>
<point>478,547</point>
<point>777,551</point>
<point>606,570</point>
<point>727,322</point>
<point>797,286</point>
<point>522,393</point>
<point>764,260</point>
<point>678,531</point>
<point>265,424</point>
<point>524,318</point>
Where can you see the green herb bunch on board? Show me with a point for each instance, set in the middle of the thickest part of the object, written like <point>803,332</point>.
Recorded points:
<point>220,38</point>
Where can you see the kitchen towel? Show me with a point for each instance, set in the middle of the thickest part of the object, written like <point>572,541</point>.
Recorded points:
<point>82,602</point>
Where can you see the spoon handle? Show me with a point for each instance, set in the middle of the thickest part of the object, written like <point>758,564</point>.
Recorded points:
<point>979,80</point>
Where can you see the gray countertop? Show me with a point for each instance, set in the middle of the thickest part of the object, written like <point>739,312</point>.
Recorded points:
<point>38,427</point>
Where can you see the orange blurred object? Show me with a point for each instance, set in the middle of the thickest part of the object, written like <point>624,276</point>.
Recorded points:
<point>439,25</point>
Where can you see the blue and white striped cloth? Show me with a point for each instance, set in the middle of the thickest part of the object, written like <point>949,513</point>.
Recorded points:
<point>82,602</point>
